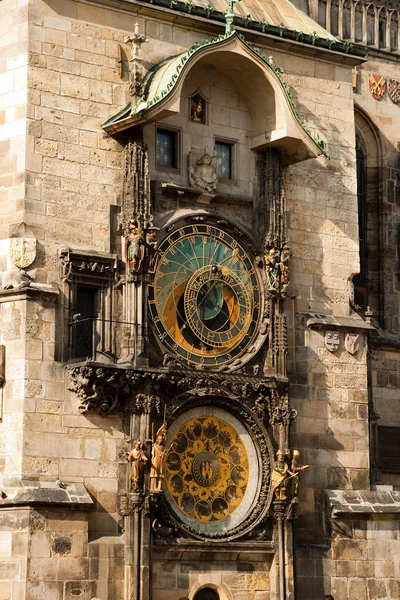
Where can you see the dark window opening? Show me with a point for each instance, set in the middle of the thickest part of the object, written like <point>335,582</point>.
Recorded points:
<point>389,449</point>
<point>322,13</point>
<point>358,25</point>
<point>346,21</point>
<point>334,17</point>
<point>382,29</point>
<point>83,322</point>
<point>206,594</point>
<point>394,33</point>
<point>360,280</point>
<point>167,149</point>
<point>371,25</point>
<point>224,151</point>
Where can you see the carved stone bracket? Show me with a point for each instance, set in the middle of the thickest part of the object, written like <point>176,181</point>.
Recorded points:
<point>109,390</point>
<point>85,264</point>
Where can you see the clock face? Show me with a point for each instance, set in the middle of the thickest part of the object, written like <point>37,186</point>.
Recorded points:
<point>212,472</point>
<point>205,298</point>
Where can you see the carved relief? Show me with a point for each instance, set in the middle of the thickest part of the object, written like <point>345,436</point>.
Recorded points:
<point>203,171</point>
<point>23,251</point>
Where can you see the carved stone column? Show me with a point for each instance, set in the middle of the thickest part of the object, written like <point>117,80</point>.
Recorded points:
<point>139,246</point>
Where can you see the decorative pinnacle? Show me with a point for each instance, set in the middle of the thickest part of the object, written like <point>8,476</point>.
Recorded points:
<point>229,17</point>
<point>136,39</point>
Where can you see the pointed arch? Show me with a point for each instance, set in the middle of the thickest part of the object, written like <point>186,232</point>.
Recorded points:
<point>367,284</point>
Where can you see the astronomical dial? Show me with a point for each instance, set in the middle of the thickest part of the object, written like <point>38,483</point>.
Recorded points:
<point>205,298</point>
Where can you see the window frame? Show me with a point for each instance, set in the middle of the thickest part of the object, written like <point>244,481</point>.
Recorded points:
<point>233,158</point>
<point>177,132</point>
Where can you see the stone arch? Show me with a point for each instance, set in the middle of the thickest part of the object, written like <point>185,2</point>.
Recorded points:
<point>367,284</point>
<point>394,31</point>
<point>214,584</point>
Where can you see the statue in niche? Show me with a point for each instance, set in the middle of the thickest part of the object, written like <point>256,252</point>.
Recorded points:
<point>203,172</point>
<point>272,267</point>
<point>295,470</point>
<point>157,461</point>
<point>197,109</point>
<point>138,459</point>
<point>135,247</point>
<point>284,268</point>
<point>150,250</point>
<point>280,475</point>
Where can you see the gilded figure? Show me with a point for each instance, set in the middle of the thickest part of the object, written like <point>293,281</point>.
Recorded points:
<point>138,458</point>
<point>157,461</point>
<point>280,475</point>
<point>135,247</point>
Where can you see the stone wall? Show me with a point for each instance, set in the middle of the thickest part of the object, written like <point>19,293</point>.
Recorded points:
<point>360,561</point>
<point>14,144</point>
<point>249,577</point>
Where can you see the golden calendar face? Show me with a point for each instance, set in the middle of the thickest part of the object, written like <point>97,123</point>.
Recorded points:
<point>207,469</point>
<point>205,298</point>
<point>211,470</point>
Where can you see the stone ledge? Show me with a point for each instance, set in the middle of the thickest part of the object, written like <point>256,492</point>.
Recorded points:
<point>355,503</point>
<point>319,321</point>
<point>46,493</point>
<point>34,291</point>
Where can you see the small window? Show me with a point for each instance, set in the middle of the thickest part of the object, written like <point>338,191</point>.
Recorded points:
<point>224,151</point>
<point>83,323</point>
<point>389,449</point>
<point>197,109</point>
<point>167,148</point>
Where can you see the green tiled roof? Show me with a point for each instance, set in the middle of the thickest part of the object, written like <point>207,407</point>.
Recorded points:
<point>163,77</point>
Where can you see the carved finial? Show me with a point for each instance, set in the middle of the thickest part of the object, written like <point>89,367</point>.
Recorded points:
<point>136,68</point>
<point>229,17</point>
<point>368,315</point>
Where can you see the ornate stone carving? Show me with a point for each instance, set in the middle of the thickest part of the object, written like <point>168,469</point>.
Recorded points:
<point>332,340</point>
<point>136,203</point>
<point>22,251</point>
<point>137,70</point>
<point>203,171</point>
<point>260,437</point>
<point>82,263</point>
<point>109,390</point>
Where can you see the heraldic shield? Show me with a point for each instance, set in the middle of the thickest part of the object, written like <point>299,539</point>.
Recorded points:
<point>22,251</point>
<point>393,89</point>
<point>377,86</point>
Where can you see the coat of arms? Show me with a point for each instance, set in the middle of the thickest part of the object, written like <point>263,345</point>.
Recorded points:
<point>377,86</point>
<point>352,342</point>
<point>332,340</point>
<point>393,89</point>
<point>22,251</point>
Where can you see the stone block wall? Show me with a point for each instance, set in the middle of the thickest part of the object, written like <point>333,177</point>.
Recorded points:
<point>360,561</point>
<point>250,577</point>
<point>14,144</point>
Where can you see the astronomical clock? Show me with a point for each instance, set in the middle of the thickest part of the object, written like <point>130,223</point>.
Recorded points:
<point>209,314</point>
<point>206,299</point>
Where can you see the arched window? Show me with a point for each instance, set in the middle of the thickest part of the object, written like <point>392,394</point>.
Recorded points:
<point>382,28</point>
<point>371,25</point>
<point>360,281</point>
<point>334,17</point>
<point>206,593</point>
<point>346,20</point>
<point>358,22</point>
<point>322,12</point>
<point>394,31</point>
